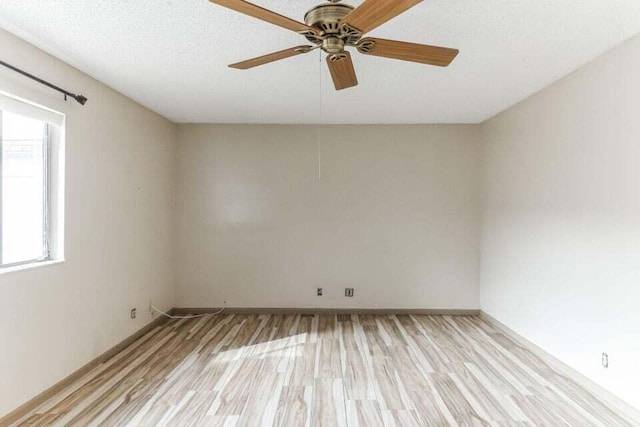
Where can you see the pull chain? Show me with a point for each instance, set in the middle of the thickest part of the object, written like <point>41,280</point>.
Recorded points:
<point>318,131</point>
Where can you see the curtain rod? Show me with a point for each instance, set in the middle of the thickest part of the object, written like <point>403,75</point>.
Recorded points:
<point>79,98</point>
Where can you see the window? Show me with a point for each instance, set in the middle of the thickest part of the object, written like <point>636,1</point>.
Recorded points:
<point>25,191</point>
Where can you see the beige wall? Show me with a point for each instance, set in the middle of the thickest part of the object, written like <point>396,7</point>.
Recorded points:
<point>561,228</point>
<point>119,196</point>
<point>395,215</point>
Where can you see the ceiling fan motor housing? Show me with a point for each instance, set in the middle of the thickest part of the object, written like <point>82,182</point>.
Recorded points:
<point>326,18</point>
<point>333,45</point>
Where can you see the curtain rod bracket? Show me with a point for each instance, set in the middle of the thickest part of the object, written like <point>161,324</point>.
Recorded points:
<point>79,98</point>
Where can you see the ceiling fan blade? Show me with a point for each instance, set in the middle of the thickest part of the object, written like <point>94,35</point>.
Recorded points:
<point>271,57</point>
<point>373,13</point>
<point>341,69</point>
<point>404,51</point>
<point>266,15</point>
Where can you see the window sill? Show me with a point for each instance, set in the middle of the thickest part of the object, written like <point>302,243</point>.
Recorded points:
<point>30,265</point>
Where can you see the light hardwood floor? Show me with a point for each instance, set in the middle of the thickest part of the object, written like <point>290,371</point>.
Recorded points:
<point>330,370</point>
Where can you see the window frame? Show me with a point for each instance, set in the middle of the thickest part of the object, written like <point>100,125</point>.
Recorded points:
<point>46,217</point>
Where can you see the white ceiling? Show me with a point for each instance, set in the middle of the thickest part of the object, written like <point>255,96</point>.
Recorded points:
<point>172,56</point>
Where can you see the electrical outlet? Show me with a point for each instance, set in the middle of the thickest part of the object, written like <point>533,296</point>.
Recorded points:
<point>319,292</point>
<point>605,360</point>
<point>348,292</point>
<point>133,313</point>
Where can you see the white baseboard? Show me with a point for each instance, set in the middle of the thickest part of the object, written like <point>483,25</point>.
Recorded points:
<point>281,310</point>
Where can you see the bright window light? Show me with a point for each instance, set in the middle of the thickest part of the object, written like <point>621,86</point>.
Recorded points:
<point>24,147</point>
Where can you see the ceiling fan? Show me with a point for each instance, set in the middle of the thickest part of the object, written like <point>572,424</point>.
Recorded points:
<point>332,27</point>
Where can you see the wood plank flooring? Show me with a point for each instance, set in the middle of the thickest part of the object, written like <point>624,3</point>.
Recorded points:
<point>324,370</point>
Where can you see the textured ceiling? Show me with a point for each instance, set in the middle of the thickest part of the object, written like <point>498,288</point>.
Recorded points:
<point>172,56</point>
